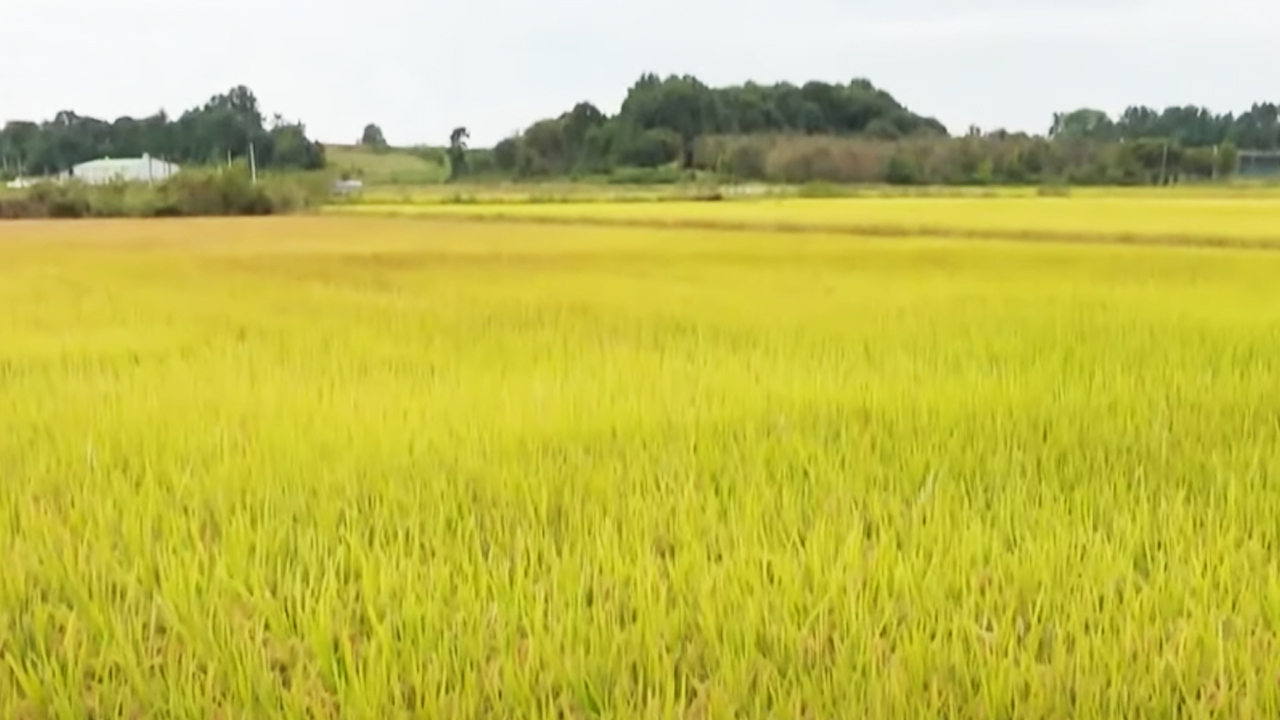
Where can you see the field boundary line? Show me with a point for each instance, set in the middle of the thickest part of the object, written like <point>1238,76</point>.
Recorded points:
<point>852,229</point>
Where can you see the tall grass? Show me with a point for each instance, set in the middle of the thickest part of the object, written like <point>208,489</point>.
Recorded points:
<point>332,467</point>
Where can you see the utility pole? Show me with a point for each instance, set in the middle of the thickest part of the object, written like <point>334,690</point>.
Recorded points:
<point>253,164</point>
<point>1164,164</point>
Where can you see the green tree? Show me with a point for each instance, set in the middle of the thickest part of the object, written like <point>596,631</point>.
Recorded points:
<point>681,105</point>
<point>1083,123</point>
<point>1258,128</point>
<point>288,147</point>
<point>372,137</point>
<point>225,126</point>
<point>1228,159</point>
<point>652,148</point>
<point>506,154</point>
<point>17,144</point>
<point>1198,163</point>
<point>458,152</point>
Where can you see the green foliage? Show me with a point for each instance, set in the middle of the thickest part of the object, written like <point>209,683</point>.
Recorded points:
<point>574,143</point>
<point>646,175</point>
<point>1227,160</point>
<point>1198,163</point>
<point>672,112</point>
<point>187,194</point>
<point>745,160</point>
<point>507,154</point>
<point>373,138</point>
<point>902,170</point>
<point>821,189</point>
<point>458,153</point>
<point>388,166</point>
<point>1083,123</point>
<point>651,148</point>
<point>215,193</point>
<point>290,148</point>
<point>1188,126</point>
<point>662,121</point>
<point>976,159</point>
<point>225,126</point>
<point>857,133</point>
<point>480,162</point>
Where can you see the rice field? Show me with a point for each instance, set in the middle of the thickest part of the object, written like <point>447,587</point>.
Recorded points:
<point>1252,219</point>
<point>371,467</point>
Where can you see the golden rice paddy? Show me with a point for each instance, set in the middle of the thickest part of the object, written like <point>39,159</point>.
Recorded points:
<point>391,468</point>
<point>1152,219</point>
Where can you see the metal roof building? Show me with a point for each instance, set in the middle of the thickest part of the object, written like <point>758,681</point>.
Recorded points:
<point>1259,163</point>
<point>144,169</point>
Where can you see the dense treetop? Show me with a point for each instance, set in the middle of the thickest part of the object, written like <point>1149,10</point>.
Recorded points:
<point>666,120</point>
<point>662,117</point>
<point>1256,129</point>
<point>372,137</point>
<point>223,127</point>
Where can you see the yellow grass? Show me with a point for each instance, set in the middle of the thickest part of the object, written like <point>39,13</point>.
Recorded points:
<point>1121,217</point>
<point>364,468</point>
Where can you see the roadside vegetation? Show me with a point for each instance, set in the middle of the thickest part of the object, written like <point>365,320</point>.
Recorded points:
<point>228,127</point>
<point>229,191</point>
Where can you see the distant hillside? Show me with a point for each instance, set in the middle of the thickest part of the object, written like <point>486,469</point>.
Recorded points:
<point>392,166</point>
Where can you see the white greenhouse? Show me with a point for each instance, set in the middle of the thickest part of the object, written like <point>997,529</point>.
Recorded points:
<point>144,169</point>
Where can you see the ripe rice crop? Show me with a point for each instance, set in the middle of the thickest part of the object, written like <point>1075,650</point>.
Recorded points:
<point>1165,219</point>
<point>378,468</point>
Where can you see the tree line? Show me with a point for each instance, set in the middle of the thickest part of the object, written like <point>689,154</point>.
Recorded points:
<point>223,129</point>
<point>856,132</point>
<point>997,158</point>
<point>662,119</point>
<point>838,132</point>
<point>1189,126</point>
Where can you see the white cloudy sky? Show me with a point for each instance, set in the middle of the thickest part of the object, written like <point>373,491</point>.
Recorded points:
<point>421,67</point>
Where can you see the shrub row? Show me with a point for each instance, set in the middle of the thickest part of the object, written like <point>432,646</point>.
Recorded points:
<point>188,194</point>
<point>995,159</point>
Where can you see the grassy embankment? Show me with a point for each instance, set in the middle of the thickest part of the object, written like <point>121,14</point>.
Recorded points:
<point>393,166</point>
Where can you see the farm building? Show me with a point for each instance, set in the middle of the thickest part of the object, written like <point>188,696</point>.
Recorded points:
<point>144,169</point>
<point>1259,163</point>
<point>348,187</point>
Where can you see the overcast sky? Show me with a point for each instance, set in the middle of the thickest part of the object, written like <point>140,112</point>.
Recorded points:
<point>422,67</point>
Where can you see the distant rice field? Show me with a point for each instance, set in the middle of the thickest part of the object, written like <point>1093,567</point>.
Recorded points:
<point>1120,218</point>
<point>388,468</point>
